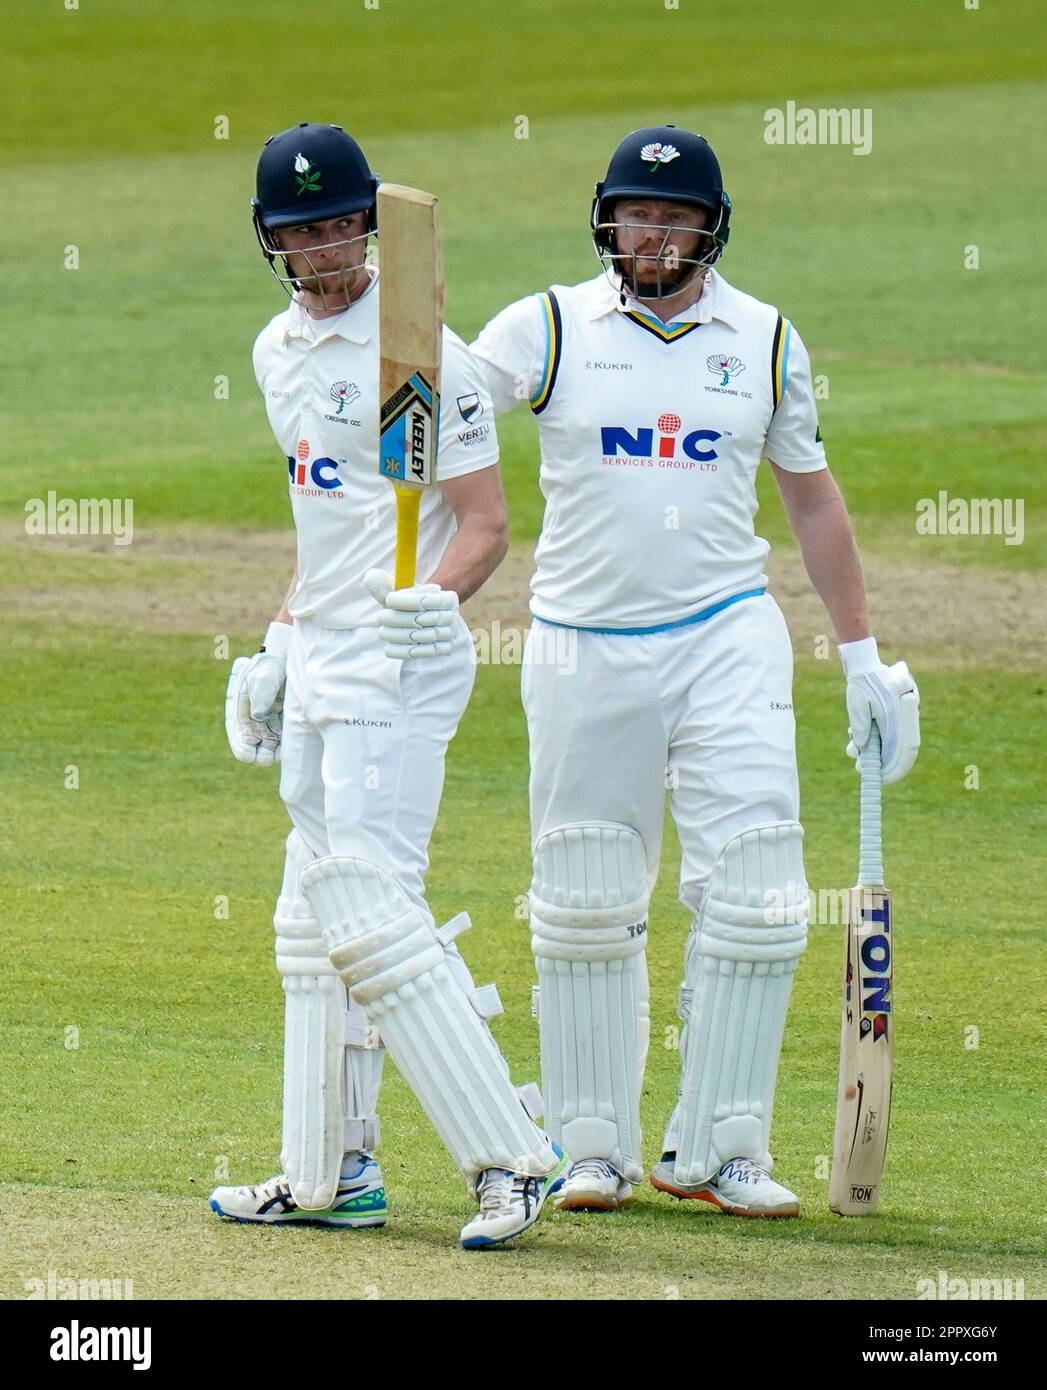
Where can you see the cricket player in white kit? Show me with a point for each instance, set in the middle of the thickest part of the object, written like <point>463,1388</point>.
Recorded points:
<point>357,691</point>
<point>658,388</point>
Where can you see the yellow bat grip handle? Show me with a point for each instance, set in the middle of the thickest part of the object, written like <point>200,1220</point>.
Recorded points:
<point>407,503</point>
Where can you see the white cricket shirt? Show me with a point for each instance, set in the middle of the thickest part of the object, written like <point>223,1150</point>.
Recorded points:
<point>651,435</point>
<point>320,382</point>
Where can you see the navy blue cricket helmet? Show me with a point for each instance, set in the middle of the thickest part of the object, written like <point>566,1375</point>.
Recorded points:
<point>663,162</point>
<point>309,173</point>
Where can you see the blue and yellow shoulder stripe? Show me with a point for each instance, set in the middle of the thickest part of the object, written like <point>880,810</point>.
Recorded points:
<point>553,347</point>
<point>780,359</point>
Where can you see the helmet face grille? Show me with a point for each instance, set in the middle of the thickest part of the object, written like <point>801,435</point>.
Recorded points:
<point>332,288</point>
<point>654,268</point>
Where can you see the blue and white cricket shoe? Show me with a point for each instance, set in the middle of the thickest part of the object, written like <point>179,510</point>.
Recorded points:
<point>510,1203</point>
<point>359,1201</point>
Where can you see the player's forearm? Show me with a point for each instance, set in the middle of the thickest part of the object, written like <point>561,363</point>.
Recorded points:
<point>834,566</point>
<point>476,550</point>
<point>284,616</point>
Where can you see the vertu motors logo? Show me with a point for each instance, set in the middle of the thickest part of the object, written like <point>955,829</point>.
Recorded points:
<point>470,406</point>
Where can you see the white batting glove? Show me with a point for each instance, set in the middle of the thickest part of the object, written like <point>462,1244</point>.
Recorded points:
<point>888,695</point>
<point>416,622</point>
<point>254,700</point>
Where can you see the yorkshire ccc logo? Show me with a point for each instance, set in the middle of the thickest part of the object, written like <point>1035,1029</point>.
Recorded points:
<point>730,366</point>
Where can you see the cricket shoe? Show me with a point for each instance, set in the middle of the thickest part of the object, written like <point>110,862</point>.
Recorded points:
<point>593,1184</point>
<point>510,1203</point>
<point>740,1188</point>
<point>359,1201</point>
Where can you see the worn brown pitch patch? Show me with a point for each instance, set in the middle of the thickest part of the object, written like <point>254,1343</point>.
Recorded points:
<point>224,580</point>
<point>949,613</point>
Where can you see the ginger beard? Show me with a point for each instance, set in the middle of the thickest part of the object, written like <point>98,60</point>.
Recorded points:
<point>658,247</point>
<point>327,261</point>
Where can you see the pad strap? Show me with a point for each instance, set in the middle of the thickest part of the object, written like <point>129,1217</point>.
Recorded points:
<point>417,989</point>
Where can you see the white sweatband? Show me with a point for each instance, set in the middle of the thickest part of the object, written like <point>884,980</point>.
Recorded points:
<point>859,657</point>
<point>277,638</point>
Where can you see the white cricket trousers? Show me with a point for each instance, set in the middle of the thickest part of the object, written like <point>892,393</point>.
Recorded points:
<point>364,740</point>
<point>703,711</point>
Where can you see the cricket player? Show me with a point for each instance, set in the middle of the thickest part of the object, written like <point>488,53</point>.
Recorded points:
<point>357,691</point>
<point>658,388</point>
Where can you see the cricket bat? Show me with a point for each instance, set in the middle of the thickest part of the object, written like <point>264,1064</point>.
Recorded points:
<point>863,1106</point>
<point>411,303</point>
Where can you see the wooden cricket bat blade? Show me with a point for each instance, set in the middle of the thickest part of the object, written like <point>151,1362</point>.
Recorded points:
<point>410,297</point>
<point>863,1104</point>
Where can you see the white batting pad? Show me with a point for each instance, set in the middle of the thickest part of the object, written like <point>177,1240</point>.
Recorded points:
<point>589,933</point>
<point>741,958</point>
<point>332,1057</point>
<point>412,983</point>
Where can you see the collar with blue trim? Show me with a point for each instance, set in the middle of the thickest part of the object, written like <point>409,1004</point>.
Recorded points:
<point>714,303</point>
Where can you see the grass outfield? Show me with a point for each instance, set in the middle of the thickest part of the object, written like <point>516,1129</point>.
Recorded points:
<point>176,1062</point>
<point>143,1035</point>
